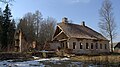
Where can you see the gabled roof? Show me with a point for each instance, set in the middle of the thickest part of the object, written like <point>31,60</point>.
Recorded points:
<point>80,31</point>
<point>117,45</point>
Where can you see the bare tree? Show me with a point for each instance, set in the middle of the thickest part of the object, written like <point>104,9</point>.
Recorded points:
<point>47,28</point>
<point>6,1</point>
<point>107,24</point>
<point>37,21</point>
<point>36,28</point>
<point>27,26</point>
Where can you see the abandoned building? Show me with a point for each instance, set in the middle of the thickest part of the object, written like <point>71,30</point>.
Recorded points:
<point>21,43</point>
<point>80,38</point>
<point>117,47</point>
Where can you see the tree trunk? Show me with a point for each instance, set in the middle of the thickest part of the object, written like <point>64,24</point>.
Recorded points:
<point>111,43</point>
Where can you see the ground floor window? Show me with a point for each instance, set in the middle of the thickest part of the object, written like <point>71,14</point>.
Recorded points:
<point>80,45</point>
<point>100,46</point>
<point>91,45</point>
<point>74,45</point>
<point>96,45</point>
<point>105,46</point>
<point>87,45</point>
<point>66,45</point>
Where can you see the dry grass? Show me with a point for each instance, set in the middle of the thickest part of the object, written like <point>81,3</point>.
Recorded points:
<point>108,58</point>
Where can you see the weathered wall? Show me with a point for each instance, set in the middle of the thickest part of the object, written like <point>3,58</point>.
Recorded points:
<point>77,49</point>
<point>54,45</point>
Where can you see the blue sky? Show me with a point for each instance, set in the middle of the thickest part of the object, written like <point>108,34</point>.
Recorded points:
<point>75,10</point>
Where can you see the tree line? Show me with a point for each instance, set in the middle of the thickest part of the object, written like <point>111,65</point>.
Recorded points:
<point>33,26</point>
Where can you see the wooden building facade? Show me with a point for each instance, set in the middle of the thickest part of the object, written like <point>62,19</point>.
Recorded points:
<point>80,38</point>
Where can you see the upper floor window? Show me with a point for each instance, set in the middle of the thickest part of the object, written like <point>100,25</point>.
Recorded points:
<point>80,45</point>
<point>87,45</point>
<point>74,45</point>
<point>91,45</point>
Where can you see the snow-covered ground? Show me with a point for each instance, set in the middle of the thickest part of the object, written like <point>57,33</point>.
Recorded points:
<point>32,63</point>
<point>49,62</point>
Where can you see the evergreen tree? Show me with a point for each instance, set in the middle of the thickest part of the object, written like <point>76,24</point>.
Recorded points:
<point>0,12</point>
<point>1,21</point>
<point>11,34</point>
<point>6,28</point>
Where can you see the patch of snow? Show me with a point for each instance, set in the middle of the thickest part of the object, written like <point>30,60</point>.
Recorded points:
<point>43,59</point>
<point>52,59</point>
<point>46,51</point>
<point>65,59</point>
<point>36,57</point>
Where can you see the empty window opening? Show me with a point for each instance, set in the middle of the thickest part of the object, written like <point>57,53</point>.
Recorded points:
<point>87,45</point>
<point>74,45</point>
<point>105,46</point>
<point>96,45</point>
<point>91,45</point>
<point>66,45</point>
<point>100,46</point>
<point>80,45</point>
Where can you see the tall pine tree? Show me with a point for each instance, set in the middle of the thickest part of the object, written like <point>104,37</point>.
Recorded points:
<point>1,21</point>
<point>6,28</point>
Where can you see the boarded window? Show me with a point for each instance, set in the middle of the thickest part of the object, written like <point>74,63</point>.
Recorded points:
<point>74,45</point>
<point>80,46</point>
<point>87,45</point>
<point>100,46</point>
<point>91,45</point>
<point>105,46</point>
<point>96,45</point>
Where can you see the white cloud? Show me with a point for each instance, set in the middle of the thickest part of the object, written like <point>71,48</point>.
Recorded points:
<point>80,1</point>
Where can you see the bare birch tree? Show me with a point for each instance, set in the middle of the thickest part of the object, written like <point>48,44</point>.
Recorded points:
<point>107,24</point>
